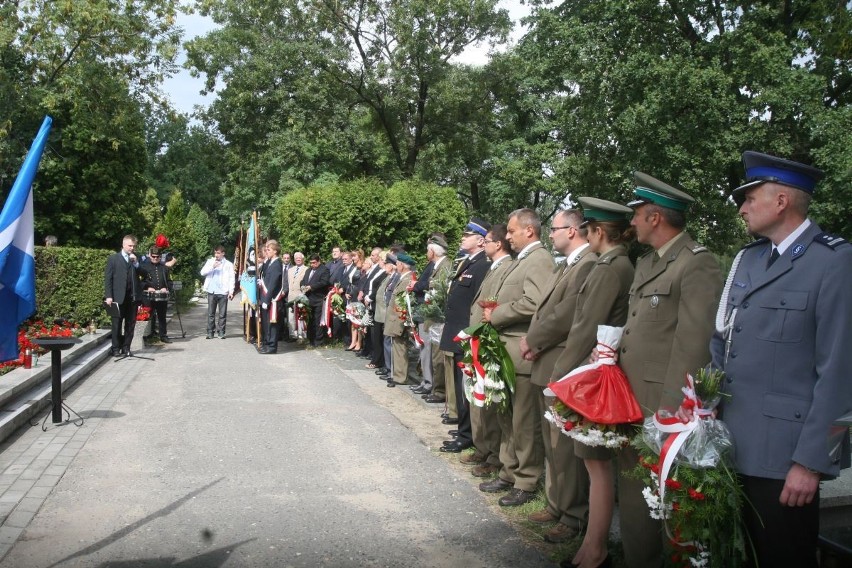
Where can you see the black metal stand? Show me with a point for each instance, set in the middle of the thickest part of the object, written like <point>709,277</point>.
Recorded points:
<point>55,345</point>
<point>177,285</point>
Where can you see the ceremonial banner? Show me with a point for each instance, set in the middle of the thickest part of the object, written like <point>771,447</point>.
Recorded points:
<point>17,250</point>
<point>248,279</point>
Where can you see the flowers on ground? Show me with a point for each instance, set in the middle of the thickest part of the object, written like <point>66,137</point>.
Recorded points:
<point>487,366</point>
<point>34,329</point>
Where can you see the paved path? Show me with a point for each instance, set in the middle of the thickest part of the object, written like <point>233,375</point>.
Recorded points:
<point>211,455</point>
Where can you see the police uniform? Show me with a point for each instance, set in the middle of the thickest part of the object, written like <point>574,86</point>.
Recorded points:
<point>462,290</point>
<point>784,340</point>
<point>669,323</point>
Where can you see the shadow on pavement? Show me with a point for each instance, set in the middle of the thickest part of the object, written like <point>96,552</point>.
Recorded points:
<point>138,524</point>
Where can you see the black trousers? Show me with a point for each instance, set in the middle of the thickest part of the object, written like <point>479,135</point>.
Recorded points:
<point>315,330</point>
<point>127,321</point>
<point>158,310</point>
<point>270,331</point>
<point>377,334</point>
<point>782,536</point>
<point>462,406</point>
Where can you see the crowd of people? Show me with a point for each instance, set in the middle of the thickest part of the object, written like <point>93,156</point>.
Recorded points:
<point>778,327</point>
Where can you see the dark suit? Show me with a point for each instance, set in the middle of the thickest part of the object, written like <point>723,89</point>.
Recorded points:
<point>787,372</point>
<point>319,281</point>
<point>122,284</point>
<point>464,285</point>
<point>271,290</point>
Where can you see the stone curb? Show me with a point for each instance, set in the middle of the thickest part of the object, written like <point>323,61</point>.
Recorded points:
<point>24,393</point>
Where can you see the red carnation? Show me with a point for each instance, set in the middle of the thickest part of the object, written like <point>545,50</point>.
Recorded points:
<point>568,426</point>
<point>673,484</point>
<point>697,495</point>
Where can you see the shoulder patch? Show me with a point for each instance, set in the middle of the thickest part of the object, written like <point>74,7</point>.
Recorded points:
<point>698,248</point>
<point>829,240</point>
<point>758,242</point>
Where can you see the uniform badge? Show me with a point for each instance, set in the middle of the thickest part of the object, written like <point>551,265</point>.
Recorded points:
<point>655,301</point>
<point>798,249</point>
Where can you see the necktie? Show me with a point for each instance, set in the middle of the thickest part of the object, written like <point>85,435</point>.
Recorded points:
<point>773,257</point>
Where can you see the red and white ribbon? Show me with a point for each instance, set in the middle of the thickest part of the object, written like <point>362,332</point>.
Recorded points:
<point>679,433</point>
<point>410,321</point>
<point>478,391</point>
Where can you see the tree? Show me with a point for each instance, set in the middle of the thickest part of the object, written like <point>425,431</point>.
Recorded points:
<point>89,64</point>
<point>365,213</point>
<point>338,89</point>
<point>187,157</point>
<point>680,89</point>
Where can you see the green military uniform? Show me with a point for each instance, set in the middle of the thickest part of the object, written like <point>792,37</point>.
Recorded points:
<point>440,273</point>
<point>483,420</point>
<point>518,297</point>
<point>566,483</point>
<point>395,328</point>
<point>670,321</point>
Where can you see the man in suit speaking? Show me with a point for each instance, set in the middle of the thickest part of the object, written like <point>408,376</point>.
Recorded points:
<point>122,287</point>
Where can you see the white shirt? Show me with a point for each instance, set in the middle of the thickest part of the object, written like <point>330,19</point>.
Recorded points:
<point>218,280</point>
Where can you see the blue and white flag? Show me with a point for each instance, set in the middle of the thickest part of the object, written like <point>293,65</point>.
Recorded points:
<point>248,279</point>
<point>17,250</point>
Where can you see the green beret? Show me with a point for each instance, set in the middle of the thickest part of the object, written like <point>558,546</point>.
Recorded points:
<point>405,259</point>
<point>651,190</point>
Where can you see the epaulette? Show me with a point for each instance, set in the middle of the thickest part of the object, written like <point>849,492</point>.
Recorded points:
<point>758,242</point>
<point>829,240</point>
<point>698,248</point>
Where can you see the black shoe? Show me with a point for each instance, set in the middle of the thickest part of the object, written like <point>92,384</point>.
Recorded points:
<point>456,447</point>
<point>515,498</point>
<point>251,339</point>
<point>444,415</point>
<point>391,384</point>
<point>496,485</point>
<point>382,371</point>
<point>449,420</point>
<point>422,391</point>
<point>431,399</point>
<point>453,433</point>
<point>165,340</point>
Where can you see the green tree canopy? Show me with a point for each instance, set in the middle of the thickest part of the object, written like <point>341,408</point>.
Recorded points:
<point>365,213</point>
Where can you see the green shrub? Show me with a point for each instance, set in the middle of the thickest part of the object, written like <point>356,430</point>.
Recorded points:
<point>70,284</point>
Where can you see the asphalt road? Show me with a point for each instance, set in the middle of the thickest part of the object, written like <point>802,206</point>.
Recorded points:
<point>217,456</point>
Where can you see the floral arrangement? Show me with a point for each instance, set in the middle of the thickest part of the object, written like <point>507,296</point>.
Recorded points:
<point>301,314</point>
<point>402,306</point>
<point>690,482</point>
<point>434,302</point>
<point>35,329</point>
<point>333,306</point>
<point>143,313</point>
<point>356,312</point>
<point>594,402</point>
<point>338,303</point>
<point>487,366</point>
<point>573,425</point>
